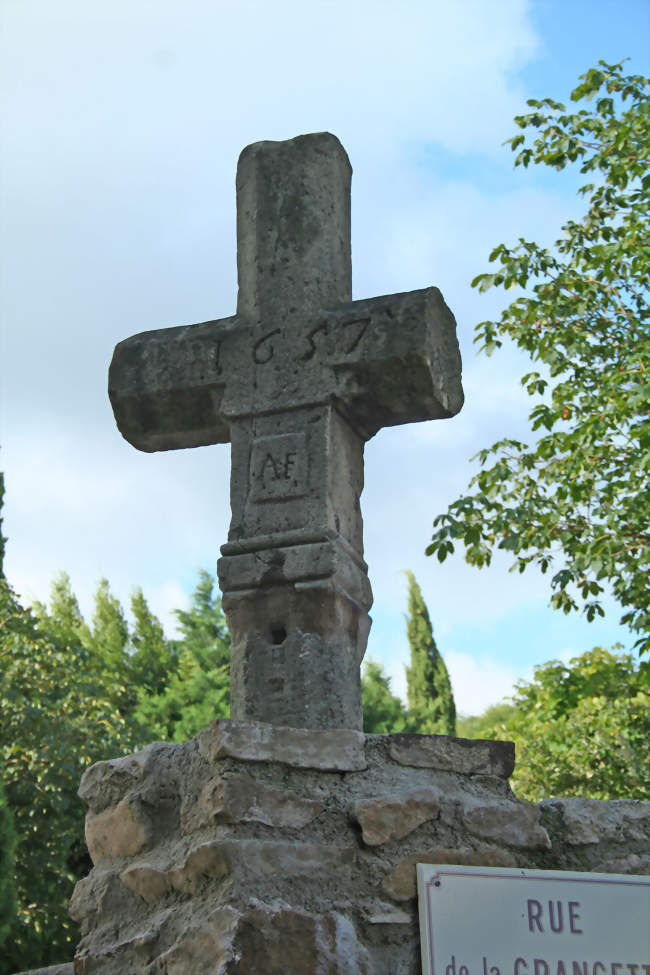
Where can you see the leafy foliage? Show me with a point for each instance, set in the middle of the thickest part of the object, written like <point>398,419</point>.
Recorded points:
<point>198,688</point>
<point>383,712</point>
<point>580,729</point>
<point>483,725</point>
<point>431,701</point>
<point>578,500</point>
<point>100,649</point>
<point>55,720</point>
<point>7,868</point>
<point>153,658</point>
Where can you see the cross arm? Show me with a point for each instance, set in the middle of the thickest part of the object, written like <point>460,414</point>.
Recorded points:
<point>395,359</point>
<point>166,386</point>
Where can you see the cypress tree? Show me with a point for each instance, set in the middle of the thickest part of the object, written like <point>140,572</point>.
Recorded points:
<point>430,698</point>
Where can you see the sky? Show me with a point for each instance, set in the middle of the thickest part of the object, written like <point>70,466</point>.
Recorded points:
<point>121,124</point>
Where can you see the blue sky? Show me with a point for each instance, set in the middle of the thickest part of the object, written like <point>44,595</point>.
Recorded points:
<point>122,123</point>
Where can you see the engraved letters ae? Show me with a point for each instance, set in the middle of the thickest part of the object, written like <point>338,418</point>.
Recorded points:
<point>279,467</point>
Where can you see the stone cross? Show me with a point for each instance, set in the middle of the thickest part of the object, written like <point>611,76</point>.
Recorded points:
<point>297,381</point>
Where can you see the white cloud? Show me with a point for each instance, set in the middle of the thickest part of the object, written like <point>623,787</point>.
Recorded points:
<point>477,682</point>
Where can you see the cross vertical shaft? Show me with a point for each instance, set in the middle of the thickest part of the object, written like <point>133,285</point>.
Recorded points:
<point>293,228</point>
<point>296,593</point>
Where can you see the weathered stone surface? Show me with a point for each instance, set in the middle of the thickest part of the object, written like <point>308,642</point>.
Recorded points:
<point>66,969</point>
<point>296,942</point>
<point>266,940</point>
<point>511,823</point>
<point>258,858</point>
<point>105,783</point>
<point>240,799</point>
<point>454,754</point>
<point>589,821</point>
<point>119,831</point>
<point>246,859</point>
<point>401,882</point>
<point>632,864</point>
<point>334,749</point>
<point>205,948</point>
<point>297,381</point>
<point>382,913</point>
<point>207,861</point>
<point>391,818</point>
<point>98,896</point>
<point>149,883</point>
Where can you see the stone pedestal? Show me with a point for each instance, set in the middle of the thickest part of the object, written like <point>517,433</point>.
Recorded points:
<point>255,849</point>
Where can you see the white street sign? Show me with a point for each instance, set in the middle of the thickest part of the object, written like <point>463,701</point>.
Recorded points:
<point>499,921</point>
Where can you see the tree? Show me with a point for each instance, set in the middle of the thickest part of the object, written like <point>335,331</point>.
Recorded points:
<point>430,698</point>
<point>56,719</point>
<point>383,712</point>
<point>109,637</point>
<point>576,501</point>
<point>580,729</point>
<point>101,650</point>
<point>154,658</point>
<point>7,868</point>
<point>482,725</point>
<point>198,690</point>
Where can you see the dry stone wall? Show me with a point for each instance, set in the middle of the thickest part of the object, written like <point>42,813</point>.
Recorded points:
<point>257,850</point>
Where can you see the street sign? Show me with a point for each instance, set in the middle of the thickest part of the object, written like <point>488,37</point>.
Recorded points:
<point>499,921</point>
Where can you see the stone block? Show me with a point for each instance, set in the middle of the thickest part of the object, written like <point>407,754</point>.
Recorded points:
<point>266,940</point>
<point>331,750</point>
<point>105,783</point>
<point>97,896</point>
<point>259,858</point>
<point>393,817</point>
<point>513,823</point>
<point>243,859</point>
<point>240,799</point>
<point>588,821</point>
<point>401,882</point>
<point>203,948</point>
<point>207,861</point>
<point>454,754</point>
<point>148,883</point>
<point>296,942</point>
<point>632,864</point>
<point>118,831</point>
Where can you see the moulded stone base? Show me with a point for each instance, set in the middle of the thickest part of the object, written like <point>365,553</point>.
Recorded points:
<point>291,643</point>
<point>258,850</point>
